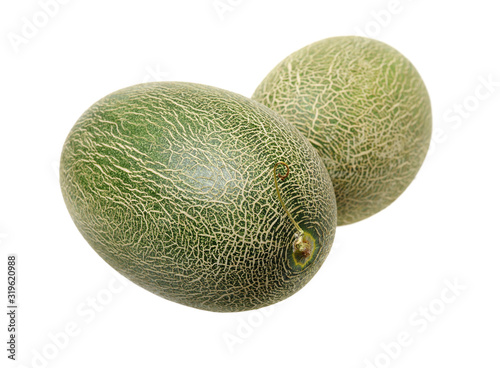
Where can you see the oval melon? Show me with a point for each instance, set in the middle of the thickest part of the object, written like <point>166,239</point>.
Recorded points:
<point>365,108</point>
<point>174,185</point>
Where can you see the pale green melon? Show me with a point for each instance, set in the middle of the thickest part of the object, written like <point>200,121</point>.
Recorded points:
<point>365,108</point>
<point>174,185</point>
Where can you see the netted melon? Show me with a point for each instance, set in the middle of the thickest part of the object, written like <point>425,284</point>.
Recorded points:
<point>365,108</point>
<point>200,195</point>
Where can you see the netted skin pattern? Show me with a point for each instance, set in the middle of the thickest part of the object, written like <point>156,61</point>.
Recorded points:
<point>365,108</point>
<point>172,185</point>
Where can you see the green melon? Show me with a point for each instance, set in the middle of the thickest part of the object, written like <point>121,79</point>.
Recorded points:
<point>199,195</point>
<point>365,108</point>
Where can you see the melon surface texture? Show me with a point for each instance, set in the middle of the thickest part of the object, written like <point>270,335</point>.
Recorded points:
<point>365,108</point>
<point>173,184</point>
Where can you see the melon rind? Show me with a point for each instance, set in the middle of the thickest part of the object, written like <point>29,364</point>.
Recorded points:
<point>365,108</point>
<point>172,185</point>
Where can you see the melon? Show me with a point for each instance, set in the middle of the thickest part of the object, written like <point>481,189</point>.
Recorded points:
<point>199,195</point>
<point>365,108</point>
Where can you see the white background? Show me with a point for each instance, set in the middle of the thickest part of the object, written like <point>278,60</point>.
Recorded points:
<point>387,275</point>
